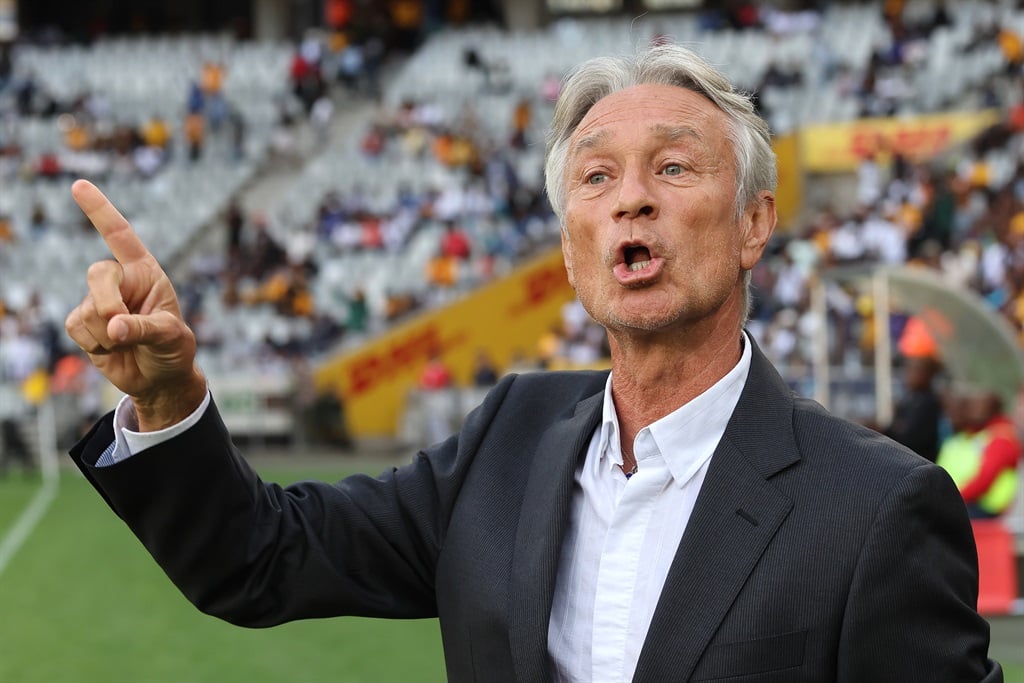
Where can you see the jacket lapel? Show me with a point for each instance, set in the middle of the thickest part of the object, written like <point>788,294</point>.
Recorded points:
<point>542,522</point>
<point>735,517</point>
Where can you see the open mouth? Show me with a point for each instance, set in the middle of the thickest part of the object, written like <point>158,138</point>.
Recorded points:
<point>637,257</point>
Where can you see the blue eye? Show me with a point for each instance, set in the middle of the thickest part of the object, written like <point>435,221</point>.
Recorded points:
<point>596,179</point>
<point>673,169</point>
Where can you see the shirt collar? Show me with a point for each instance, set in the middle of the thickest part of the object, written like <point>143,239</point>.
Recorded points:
<point>687,436</point>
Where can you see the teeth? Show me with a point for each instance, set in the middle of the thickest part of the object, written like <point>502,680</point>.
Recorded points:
<point>639,265</point>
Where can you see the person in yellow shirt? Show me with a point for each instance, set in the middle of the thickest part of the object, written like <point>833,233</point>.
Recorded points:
<point>77,137</point>
<point>1011,47</point>
<point>442,270</point>
<point>156,132</point>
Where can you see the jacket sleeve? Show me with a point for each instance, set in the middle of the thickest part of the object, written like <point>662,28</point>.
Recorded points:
<point>257,554</point>
<point>911,611</point>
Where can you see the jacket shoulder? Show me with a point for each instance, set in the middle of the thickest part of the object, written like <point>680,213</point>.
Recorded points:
<point>560,385</point>
<point>835,442</point>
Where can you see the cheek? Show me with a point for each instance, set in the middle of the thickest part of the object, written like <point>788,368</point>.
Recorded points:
<point>710,246</point>
<point>710,255</point>
<point>582,242</point>
<point>721,234</point>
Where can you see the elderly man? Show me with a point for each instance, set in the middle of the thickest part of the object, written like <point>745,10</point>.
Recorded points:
<point>684,517</point>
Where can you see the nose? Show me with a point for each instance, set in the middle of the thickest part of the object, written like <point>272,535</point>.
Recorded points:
<point>635,197</point>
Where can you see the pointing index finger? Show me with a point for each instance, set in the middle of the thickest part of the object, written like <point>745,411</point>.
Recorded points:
<point>124,244</point>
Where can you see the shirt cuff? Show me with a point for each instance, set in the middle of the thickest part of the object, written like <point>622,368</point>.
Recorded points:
<point>128,440</point>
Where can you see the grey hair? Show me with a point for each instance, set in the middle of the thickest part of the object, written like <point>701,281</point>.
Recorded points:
<point>661,65</point>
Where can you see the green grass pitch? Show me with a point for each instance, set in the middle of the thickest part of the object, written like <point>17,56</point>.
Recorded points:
<point>82,602</point>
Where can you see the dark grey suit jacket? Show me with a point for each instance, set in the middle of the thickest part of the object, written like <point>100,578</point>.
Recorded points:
<point>817,549</point>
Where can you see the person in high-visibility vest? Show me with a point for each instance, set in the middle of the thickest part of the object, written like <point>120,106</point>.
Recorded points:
<point>983,459</point>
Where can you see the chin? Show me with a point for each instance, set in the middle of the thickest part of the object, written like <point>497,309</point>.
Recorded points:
<point>645,322</point>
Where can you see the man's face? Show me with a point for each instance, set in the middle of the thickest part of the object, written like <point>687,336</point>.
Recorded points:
<point>652,240</point>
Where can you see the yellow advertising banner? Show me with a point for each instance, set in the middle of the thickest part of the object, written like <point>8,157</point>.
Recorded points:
<point>839,147</point>
<point>506,317</point>
<point>789,193</point>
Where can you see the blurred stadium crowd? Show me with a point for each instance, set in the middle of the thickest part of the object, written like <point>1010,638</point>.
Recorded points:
<point>423,177</point>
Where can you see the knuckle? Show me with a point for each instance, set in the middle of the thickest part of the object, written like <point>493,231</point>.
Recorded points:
<point>99,269</point>
<point>88,310</point>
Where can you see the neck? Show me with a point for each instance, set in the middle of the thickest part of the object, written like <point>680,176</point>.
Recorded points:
<point>653,377</point>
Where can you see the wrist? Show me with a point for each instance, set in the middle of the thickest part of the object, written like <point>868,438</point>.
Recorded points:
<point>170,406</point>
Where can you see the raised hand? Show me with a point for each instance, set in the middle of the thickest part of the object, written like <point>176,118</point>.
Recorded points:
<point>130,322</point>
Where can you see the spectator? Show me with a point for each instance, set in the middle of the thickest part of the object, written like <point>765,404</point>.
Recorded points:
<point>306,72</point>
<point>1012,48</point>
<point>982,456</point>
<point>13,447</point>
<point>7,235</point>
<point>442,270</point>
<point>397,304</point>
<point>869,180</point>
<point>435,379</point>
<point>917,414</point>
<point>455,243</point>
<point>234,219</point>
<point>195,135</point>
<point>38,222</point>
<point>435,375</point>
<point>522,115</point>
<point>211,82</point>
<point>551,346</point>
<point>79,380</point>
<point>320,116</point>
<point>195,102</point>
<point>266,254</point>
<point>358,316</point>
<point>472,60</point>
<point>407,18</point>
<point>371,237</point>
<point>338,14</point>
<point>485,374</point>
<point>156,132</point>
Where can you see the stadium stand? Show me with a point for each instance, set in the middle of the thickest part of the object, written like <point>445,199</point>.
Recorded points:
<point>843,63</point>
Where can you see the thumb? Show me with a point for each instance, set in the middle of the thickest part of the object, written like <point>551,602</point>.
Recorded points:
<point>144,330</point>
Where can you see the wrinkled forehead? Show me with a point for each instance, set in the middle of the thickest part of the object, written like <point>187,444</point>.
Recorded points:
<point>659,113</point>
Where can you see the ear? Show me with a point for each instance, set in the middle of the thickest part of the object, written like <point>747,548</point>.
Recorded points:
<point>567,257</point>
<point>758,225</point>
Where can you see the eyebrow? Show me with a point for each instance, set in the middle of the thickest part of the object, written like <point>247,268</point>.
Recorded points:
<point>659,130</point>
<point>673,133</point>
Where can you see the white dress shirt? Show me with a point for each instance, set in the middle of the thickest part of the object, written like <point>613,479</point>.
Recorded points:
<point>623,534</point>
